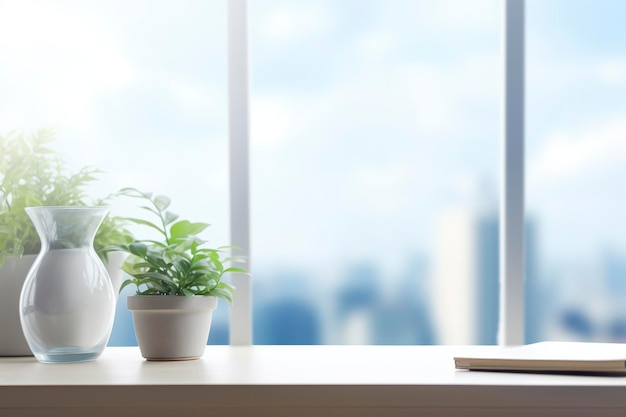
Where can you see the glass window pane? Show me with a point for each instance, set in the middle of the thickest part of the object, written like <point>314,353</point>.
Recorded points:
<point>374,157</point>
<point>575,160</point>
<point>134,88</point>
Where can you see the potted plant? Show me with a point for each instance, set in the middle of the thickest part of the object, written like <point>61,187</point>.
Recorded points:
<point>32,174</point>
<point>178,281</point>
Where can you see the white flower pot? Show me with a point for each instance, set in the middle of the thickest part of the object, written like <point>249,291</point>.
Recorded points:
<point>171,327</point>
<point>13,272</point>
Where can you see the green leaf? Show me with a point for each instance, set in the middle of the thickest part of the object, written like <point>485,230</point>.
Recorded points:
<point>170,217</point>
<point>217,264</point>
<point>154,275</point>
<point>138,249</point>
<point>150,209</point>
<point>156,261</point>
<point>133,192</point>
<point>184,228</point>
<point>148,291</point>
<point>188,292</point>
<point>126,283</point>
<point>146,223</point>
<point>129,268</point>
<point>155,243</point>
<point>237,270</point>
<point>182,264</point>
<point>224,293</point>
<point>162,202</point>
<point>141,266</point>
<point>115,248</point>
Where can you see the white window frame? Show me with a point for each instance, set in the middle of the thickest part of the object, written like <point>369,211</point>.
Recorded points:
<point>511,331</point>
<point>238,123</point>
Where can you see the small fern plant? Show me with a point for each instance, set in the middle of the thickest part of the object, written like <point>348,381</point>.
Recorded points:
<point>178,263</point>
<point>32,173</point>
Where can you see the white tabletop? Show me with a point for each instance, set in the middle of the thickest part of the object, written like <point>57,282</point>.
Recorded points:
<point>305,380</point>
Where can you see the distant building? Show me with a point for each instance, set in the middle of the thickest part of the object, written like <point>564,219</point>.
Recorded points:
<point>465,283</point>
<point>356,301</point>
<point>402,323</point>
<point>365,316</point>
<point>286,321</point>
<point>614,268</point>
<point>286,309</point>
<point>361,290</point>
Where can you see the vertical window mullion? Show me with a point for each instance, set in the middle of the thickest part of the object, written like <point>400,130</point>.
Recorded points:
<point>241,312</point>
<point>512,192</point>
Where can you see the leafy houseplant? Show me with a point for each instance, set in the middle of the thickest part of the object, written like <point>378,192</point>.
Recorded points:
<point>174,273</point>
<point>33,174</point>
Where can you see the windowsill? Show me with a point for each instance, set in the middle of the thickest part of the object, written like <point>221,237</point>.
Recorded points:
<point>299,380</point>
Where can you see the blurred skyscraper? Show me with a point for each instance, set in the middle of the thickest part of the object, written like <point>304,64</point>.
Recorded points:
<point>614,266</point>
<point>368,315</point>
<point>285,312</point>
<point>286,321</point>
<point>356,301</point>
<point>465,284</point>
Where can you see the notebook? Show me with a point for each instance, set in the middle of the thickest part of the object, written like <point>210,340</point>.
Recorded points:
<point>552,357</point>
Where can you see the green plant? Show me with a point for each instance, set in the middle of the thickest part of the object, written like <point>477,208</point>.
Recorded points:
<point>32,174</point>
<point>178,263</point>
<point>112,231</point>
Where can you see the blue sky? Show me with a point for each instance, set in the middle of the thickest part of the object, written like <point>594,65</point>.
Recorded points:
<point>352,117</point>
<point>136,89</point>
<point>575,128</point>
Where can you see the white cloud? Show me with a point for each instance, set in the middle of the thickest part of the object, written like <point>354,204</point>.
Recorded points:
<point>291,23</point>
<point>195,97</point>
<point>568,155</point>
<point>432,105</point>
<point>549,75</point>
<point>424,99</point>
<point>385,188</point>
<point>612,70</point>
<point>273,120</point>
<point>375,45</point>
<point>62,44</point>
<point>458,15</point>
<point>58,61</point>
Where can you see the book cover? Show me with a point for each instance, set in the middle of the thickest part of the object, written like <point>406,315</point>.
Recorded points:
<point>558,357</point>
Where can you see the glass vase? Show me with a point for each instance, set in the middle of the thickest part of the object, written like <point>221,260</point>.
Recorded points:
<point>67,304</point>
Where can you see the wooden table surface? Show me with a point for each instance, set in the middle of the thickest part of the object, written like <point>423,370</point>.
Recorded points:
<point>299,381</point>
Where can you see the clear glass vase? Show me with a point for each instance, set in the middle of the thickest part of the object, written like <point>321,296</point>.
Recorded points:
<point>67,304</point>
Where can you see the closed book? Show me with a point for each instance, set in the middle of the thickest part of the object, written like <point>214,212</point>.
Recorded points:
<point>556,357</point>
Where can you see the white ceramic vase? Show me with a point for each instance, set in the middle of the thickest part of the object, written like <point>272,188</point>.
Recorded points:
<point>67,303</point>
<point>13,272</point>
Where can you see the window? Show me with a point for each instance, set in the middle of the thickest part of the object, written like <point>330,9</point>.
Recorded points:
<point>374,174</point>
<point>136,89</point>
<point>575,160</point>
<point>374,152</point>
